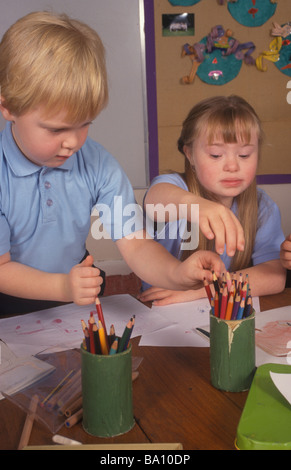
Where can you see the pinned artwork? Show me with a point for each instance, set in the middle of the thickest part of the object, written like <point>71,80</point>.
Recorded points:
<point>279,50</point>
<point>217,58</point>
<point>184,3</point>
<point>251,12</point>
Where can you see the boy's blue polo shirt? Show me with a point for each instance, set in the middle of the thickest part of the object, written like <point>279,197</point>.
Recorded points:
<point>45,213</point>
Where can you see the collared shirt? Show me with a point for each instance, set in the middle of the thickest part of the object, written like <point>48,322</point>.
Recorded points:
<point>269,234</point>
<point>45,213</point>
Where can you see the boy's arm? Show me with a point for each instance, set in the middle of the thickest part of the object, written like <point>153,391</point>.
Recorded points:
<point>155,265</point>
<point>285,253</point>
<point>81,285</point>
<point>265,278</point>
<point>215,220</point>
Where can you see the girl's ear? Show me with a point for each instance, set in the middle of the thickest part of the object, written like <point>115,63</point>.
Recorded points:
<point>5,113</point>
<point>188,152</point>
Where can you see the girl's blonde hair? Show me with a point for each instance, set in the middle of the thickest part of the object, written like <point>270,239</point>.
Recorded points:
<point>54,61</point>
<point>232,119</point>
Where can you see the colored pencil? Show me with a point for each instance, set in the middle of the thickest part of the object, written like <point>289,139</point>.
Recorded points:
<point>102,337</point>
<point>229,307</point>
<point>114,347</point>
<point>241,309</point>
<point>215,282</point>
<point>223,303</point>
<point>125,337</point>
<point>216,304</point>
<point>235,306</point>
<point>208,291</point>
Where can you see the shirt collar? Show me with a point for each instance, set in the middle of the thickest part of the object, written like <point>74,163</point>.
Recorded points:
<point>18,163</point>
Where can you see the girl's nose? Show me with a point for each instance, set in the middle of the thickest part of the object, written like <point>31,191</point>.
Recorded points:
<point>231,163</point>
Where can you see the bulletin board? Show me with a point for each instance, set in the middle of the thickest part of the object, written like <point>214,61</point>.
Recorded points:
<point>269,92</point>
<point>123,126</point>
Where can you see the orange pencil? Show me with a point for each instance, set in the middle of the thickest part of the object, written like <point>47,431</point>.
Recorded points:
<point>229,307</point>
<point>216,304</point>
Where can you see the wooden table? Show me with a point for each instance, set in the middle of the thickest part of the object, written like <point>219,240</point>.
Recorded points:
<point>173,402</point>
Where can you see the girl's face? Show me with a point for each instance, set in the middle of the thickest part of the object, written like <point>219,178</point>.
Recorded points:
<point>46,141</point>
<point>224,169</point>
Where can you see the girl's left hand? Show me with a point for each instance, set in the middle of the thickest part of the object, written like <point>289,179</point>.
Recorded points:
<point>161,297</point>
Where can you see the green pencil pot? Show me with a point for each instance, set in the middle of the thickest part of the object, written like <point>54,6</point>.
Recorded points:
<point>232,353</point>
<point>107,393</point>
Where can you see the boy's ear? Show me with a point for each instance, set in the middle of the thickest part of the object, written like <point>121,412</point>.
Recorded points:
<point>5,112</point>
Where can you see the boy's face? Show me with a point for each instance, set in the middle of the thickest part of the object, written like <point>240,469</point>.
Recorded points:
<point>46,141</point>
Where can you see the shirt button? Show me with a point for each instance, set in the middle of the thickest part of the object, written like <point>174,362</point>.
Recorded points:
<point>49,202</point>
<point>47,185</point>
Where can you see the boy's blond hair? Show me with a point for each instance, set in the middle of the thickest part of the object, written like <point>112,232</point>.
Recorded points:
<point>233,119</point>
<point>53,61</point>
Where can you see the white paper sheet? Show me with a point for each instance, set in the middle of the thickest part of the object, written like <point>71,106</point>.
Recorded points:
<point>60,328</point>
<point>283,384</point>
<point>185,318</point>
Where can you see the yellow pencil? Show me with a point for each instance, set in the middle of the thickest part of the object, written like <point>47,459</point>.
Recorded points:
<point>103,342</point>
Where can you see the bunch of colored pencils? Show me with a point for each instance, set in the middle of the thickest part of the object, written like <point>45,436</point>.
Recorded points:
<point>231,299</point>
<point>65,399</point>
<point>96,339</point>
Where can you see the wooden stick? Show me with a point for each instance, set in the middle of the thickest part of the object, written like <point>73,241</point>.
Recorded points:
<point>25,436</point>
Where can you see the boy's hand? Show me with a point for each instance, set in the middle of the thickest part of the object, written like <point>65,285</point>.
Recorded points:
<point>199,266</point>
<point>285,253</point>
<point>83,282</point>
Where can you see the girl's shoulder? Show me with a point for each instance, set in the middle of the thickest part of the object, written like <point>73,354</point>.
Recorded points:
<point>172,178</point>
<point>264,200</point>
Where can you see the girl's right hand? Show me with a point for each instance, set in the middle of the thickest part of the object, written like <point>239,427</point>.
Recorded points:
<point>219,222</point>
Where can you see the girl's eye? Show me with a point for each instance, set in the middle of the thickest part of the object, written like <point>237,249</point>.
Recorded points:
<point>243,156</point>
<point>215,156</point>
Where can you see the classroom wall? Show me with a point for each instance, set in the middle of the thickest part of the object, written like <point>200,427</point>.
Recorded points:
<point>266,91</point>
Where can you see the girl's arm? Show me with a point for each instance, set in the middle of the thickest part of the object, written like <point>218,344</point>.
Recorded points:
<point>81,285</point>
<point>266,278</point>
<point>215,220</point>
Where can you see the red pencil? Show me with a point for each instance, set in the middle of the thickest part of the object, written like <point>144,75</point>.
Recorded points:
<point>101,318</point>
<point>223,303</point>
<point>208,291</point>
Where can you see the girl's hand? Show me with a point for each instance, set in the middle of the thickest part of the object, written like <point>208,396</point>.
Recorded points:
<point>219,222</point>
<point>83,283</point>
<point>161,297</point>
<point>285,253</point>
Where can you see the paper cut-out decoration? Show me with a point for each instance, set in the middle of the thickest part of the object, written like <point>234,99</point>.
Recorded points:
<point>217,58</point>
<point>251,12</point>
<point>184,3</point>
<point>279,50</point>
